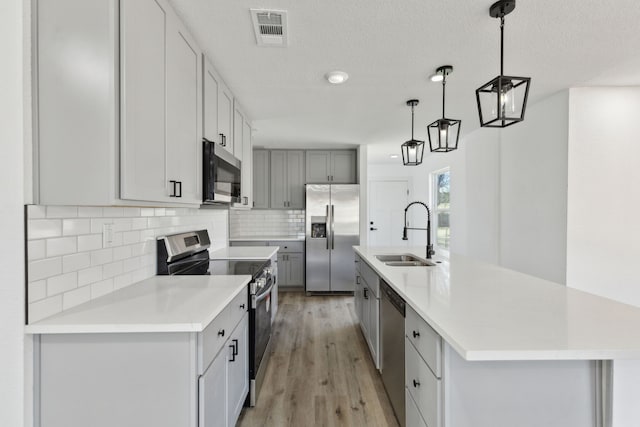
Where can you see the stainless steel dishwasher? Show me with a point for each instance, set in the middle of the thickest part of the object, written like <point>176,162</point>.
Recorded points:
<point>392,314</point>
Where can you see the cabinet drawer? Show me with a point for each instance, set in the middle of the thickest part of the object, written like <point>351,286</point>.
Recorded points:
<point>217,333</point>
<point>358,262</point>
<point>238,308</point>
<point>423,386</point>
<point>414,419</point>
<point>425,339</point>
<point>288,246</point>
<point>371,277</point>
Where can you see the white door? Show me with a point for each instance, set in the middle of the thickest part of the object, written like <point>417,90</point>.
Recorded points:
<point>387,200</point>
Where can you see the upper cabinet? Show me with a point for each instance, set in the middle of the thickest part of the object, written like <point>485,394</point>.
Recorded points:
<point>287,179</point>
<point>331,167</point>
<point>218,108</point>
<point>242,150</point>
<point>160,106</point>
<point>261,179</point>
<point>225,117</point>
<point>123,122</point>
<point>247,164</point>
<point>211,82</point>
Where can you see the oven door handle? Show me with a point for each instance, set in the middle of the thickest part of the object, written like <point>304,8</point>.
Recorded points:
<point>255,300</point>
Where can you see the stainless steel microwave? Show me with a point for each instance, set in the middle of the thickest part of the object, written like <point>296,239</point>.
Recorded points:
<point>221,175</point>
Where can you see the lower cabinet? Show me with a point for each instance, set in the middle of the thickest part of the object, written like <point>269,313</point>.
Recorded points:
<point>160,379</point>
<point>290,261</point>
<point>367,306</point>
<point>223,387</point>
<point>291,269</point>
<point>414,419</point>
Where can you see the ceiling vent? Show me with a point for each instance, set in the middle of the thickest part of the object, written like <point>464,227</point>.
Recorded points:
<point>270,27</point>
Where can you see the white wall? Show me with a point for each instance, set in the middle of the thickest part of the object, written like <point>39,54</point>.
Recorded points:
<point>12,358</point>
<point>480,212</point>
<point>603,236</point>
<point>533,190</point>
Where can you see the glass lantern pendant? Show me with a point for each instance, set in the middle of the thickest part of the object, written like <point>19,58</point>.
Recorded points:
<point>444,133</point>
<point>502,101</point>
<point>412,150</point>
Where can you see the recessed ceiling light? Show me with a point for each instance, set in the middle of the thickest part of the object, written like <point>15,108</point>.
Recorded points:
<point>336,77</point>
<point>394,156</point>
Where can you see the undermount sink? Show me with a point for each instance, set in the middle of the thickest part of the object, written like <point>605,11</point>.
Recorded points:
<point>410,264</point>
<point>404,260</point>
<point>398,258</point>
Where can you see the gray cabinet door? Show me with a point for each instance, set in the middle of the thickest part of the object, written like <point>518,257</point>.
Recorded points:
<point>261,179</point>
<point>366,309</point>
<point>295,263</point>
<point>278,176</point>
<point>212,394</point>
<point>318,168</point>
<point>343,167</point>
<point>237,370</point>
<point>283,270</point>
<point>143,32</point>
<point>295,178</point>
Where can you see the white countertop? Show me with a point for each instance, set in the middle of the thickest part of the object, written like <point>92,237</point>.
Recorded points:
<point>244,252</point>
<point>157,304</point>
<point>486,312</point>
<point>267,239</point>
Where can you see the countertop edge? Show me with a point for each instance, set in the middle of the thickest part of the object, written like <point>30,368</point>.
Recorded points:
<point>220,255</point>
<point>141,327</point>
<point>499,354</point>
<point>267,239</point>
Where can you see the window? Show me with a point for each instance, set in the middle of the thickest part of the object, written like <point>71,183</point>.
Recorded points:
<point>441,201</point>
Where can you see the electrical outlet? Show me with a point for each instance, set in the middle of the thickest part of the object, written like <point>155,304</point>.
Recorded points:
<point>107,235</point>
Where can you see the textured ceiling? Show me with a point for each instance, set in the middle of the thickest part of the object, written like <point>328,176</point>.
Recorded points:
<point>390,47</point>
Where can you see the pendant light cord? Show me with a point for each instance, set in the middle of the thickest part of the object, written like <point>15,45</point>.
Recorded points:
<point>502,45</point>
<point>444,81</point>
<point>412,122</point>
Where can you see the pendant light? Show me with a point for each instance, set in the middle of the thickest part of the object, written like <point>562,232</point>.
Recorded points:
<point>443,133</point>
<point>413,149</point>
<point>502,101</point>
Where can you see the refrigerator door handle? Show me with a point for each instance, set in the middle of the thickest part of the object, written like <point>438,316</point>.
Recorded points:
<point>327,236</point>
<point>333,236</point>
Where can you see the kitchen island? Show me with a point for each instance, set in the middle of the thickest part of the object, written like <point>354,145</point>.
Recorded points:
<point>511,349</point>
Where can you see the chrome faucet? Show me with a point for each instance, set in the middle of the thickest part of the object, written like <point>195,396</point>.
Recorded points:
<point>430,250</point>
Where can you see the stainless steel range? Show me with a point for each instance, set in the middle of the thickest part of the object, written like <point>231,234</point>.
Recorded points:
<point>187,253</point>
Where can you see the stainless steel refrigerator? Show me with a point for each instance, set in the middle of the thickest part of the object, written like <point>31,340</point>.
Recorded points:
<point>332,228</point>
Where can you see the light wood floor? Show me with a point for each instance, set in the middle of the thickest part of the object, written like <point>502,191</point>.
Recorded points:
<point>320,372</point>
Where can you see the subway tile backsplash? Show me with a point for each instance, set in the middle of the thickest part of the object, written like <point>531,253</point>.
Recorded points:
<point>256,223</point>
<point>68,265</point>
